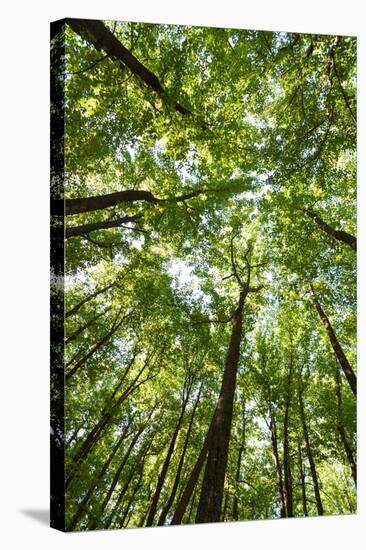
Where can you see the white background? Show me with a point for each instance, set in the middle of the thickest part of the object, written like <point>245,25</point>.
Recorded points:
<point>24,379</point>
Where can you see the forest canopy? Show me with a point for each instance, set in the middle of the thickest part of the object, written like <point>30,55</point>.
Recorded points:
<point>205,192</point>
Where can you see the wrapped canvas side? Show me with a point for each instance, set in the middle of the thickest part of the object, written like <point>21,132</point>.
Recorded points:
<point>57,58</point>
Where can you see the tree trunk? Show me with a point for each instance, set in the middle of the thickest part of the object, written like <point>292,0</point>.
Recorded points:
<point>80,330</point>
<point>209,506</point>
<point>171,498</point>
<point>335,234</point>
<point>116,325</point>
<point>137,466</point>
<point>193,478</point>
<point>340,355</point>
<point>164,470</point>
<point>107,417</point>
<point>76,308</point>
<point>122,493</point>
<point>238,468</point>
<point>309,452</point>
<point>342,431</point>
<point>190,513</point>
<point>286,447</point>
<point>100,202</point>
<point>95,520</point>
<point>225,506</point>
<point>83,504</point>
<point>103,39</point>
<point>131,499</point>
<point>303,482</point>
<point>80,230</point>
<point>276,456</point>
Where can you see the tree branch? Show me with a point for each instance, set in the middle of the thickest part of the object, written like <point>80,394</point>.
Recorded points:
<point>96,33</point>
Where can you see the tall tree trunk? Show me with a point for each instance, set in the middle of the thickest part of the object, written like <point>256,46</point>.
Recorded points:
<point>115,326</point>
<point>121,495</point>
<point>303,482</point>
<point>286,446</point>
<point>209,506</point>
<point>193,478</point>
<point>237,479</point>
<point>276,456</point>
<point>131,499</point>
<point>137,466</point>
<point>190,512</point>
<point>83,504</point>
<point>225,506</point>
<point>96,33</point>
<point>107,416</point>
<point>238,468</point>
<point>335,234</point>
<point>76,308</point>
<point>342,431</point>
<point>171,498</point>
<point>309,452</point>
<point>81,329</point>
<point>164,470</point>
<point>339,353</point>
<point>96,519</point>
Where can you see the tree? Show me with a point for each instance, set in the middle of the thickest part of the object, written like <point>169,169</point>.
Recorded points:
<point>201,179</point>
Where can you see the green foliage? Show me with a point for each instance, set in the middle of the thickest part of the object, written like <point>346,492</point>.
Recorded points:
<point>270,134</point>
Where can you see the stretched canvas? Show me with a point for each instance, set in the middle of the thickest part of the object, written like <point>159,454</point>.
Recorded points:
<point>203,275</point>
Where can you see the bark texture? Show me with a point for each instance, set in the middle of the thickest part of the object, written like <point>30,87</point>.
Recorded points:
<point>209,506</point>
<point>342,431</point>
<point>309,452</point>
<point>174,490</point>
<point>286,443</point>
<point>96,33</point>
<point>340,355</point>
<point>164,470</point>
<point>335,234</point>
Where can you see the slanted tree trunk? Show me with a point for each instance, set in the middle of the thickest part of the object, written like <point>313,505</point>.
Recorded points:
<point>137,466</point>
<point>123,521</point>
<point>193,478</point>
<point>81,329</point>
<point>82,205</point>
<point>96,519</point>
<point>82,507</point>
<point>171,498</point>
<point>117,323</point>
<point>303,482</point>
<point>96,33</point>
<point>238,468</point>
<point>121,495</point>
<point>225,506</point>
<point>80,230</point>
<point>309,452</point>
<point>339,353</point>
<point>76,308</point>
<point>107,416</point>
<point>190,512</point>
<point>209,506</point>
<point>164,470</point>
<point>276,456</point>
<point>216,444</point>
<point>342,431</point>
<point>286,445</point>
<point>335,234</point>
